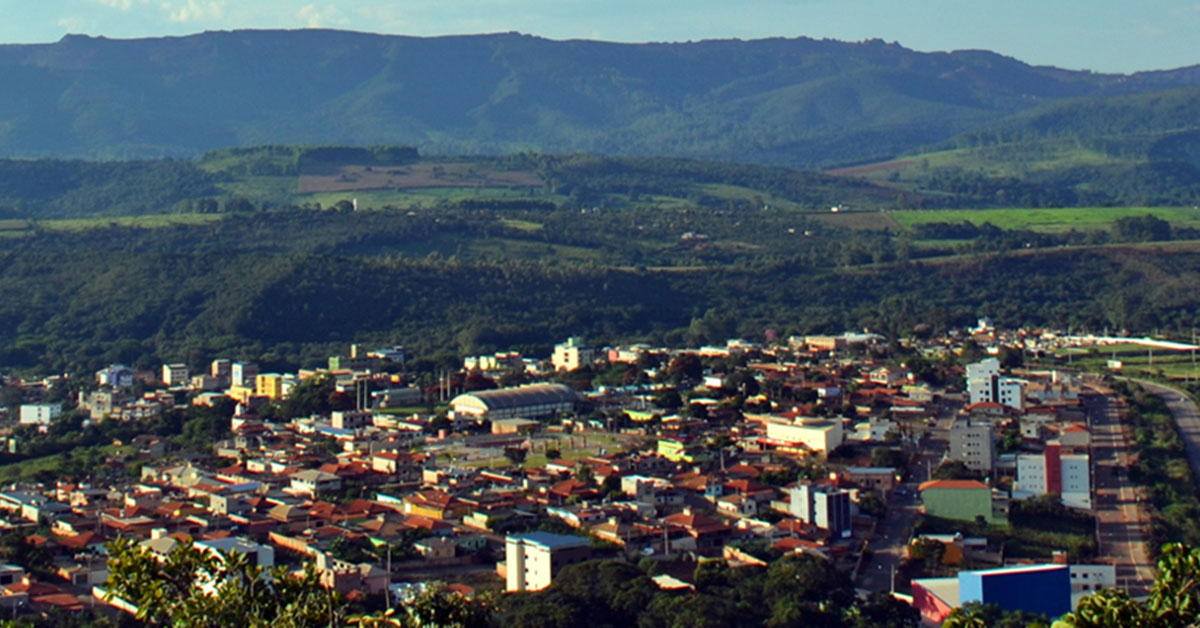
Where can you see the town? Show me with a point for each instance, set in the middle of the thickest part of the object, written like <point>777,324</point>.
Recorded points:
<point>976,466</point>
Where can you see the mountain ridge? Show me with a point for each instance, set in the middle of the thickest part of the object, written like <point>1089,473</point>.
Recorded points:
<point>788,101</point>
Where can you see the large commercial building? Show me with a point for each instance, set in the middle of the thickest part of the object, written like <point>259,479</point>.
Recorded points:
<point>536,401</point>
<point>532,559</point>
<point>1044,589</point>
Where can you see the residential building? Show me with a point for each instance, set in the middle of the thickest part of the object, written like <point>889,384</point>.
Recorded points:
<point>532,559</point>
<point>571,355</point>
<point>116,376</point>
<point>1054,472</point>
<point>825,507</point>
<point>269,385</point>
<point>221,369</point>
<point>350,419</point>
<point>243,374</point>
<point>973,444</point>
<point>39,413</point>
<point>985,384</point>
<point>175,374</point>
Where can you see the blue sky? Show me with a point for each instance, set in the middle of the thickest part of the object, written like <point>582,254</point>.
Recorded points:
<point>1099,35</point>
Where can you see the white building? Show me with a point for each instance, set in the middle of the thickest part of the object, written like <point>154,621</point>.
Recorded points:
<point>175,374</point>
<point>570,355</point>
<point>1053,472</point>
<point>819,435</point>
<point>1087,579</point>
<point>243,374</point>
<point>39,413</point>
<point>985,384</point>
<point>532,559</point>
<point>825,507</point>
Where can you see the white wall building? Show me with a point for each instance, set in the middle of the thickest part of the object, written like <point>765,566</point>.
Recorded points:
<point>1053,472</point>
<point>570,355</point>
<point>532,559</point>
<point>820,435</point>
<point>39,413</point>
<point>985,384</point>
<point>175,374</point>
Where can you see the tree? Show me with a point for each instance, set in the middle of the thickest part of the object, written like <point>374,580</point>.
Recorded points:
<point>516,455</point>
<point>195,587</point>
<point>1174,599</point>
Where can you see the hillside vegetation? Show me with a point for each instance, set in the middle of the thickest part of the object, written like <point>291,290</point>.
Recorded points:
<point>781,101</point>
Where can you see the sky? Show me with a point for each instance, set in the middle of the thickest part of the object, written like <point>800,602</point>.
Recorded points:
<point>1097,35</point>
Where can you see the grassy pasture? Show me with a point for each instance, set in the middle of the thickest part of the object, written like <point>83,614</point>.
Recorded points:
<point>1048,220</point>
<point>146,221</point>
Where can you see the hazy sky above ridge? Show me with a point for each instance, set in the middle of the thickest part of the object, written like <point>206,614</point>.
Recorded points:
<point>1099,35</point>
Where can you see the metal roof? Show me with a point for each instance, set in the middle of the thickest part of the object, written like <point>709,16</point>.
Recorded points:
<point>532,395</point>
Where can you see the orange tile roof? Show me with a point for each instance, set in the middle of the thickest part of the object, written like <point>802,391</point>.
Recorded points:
<point>952,484</point>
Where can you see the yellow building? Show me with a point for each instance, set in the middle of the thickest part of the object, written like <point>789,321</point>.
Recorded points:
<point>240,394</point>
<point>269,385</point>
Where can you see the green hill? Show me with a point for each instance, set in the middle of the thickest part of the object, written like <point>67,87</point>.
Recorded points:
<point>783,101</point>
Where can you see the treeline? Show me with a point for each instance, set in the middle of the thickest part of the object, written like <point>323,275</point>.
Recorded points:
<point>792,591</point>
<point>1161,465</point>
<point>47,188</point>
<point>289,288</point>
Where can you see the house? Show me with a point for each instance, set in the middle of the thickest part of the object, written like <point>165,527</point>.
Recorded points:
<point>697,532</point>
<point>312,481</point>
<point>571,355</point>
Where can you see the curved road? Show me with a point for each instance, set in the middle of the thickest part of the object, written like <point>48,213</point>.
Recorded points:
<point>1187,420</point>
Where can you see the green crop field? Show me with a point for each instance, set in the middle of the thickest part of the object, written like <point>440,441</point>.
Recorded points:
<point>1048,220</point>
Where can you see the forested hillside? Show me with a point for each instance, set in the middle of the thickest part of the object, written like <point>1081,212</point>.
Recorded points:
<point>782,101</point>
<point>287,287</point>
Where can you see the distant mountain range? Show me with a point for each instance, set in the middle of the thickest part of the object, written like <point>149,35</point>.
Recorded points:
<point>795,102</point>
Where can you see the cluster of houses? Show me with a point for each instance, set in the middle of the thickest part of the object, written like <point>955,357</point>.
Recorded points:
<point>376,498</point>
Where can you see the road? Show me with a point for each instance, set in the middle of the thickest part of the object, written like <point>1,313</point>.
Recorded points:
<point>894,530</point>
<point>1187,420</point>
<point>1121,522</point>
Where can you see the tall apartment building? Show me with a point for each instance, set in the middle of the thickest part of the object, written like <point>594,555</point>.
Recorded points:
<point>532,559</point>
<point>825,507</point>
<point>243,374</point>
<point>571,355</point>
<point>986,384</point>
<point>973,444</point>
<point>1054,472</point>
<point>175,374</point>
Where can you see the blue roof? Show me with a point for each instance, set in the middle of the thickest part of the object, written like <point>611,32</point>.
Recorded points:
<point>552,541</point>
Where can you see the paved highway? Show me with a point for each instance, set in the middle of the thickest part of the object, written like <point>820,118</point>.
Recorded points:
<point>1187,419</point>
<point>1121,523</point>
